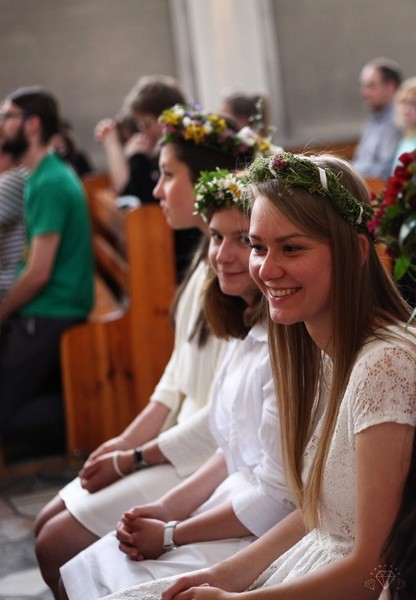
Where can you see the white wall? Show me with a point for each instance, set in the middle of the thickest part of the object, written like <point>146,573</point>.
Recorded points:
<point>89,52</point>
<point>306,54</point>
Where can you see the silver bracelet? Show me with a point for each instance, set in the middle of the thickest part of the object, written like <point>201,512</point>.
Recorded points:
<point>116,465</point>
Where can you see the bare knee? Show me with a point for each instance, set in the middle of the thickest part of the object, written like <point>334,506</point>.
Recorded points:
<point>50,510</point>
<point>59,540</point>
<point>49,550</point>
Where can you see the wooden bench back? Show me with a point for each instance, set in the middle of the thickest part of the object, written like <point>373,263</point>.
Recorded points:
<point>112,363</point>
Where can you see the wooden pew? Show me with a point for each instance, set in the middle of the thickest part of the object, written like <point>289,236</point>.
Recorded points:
<point>375,184</point>
<point>112,363</point>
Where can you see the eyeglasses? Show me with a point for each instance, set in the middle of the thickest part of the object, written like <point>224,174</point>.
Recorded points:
<point>11,115</point>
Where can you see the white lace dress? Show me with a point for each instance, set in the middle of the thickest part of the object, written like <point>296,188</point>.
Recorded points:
<point>381,389</point>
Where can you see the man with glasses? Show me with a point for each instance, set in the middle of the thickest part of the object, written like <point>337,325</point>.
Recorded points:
<point>379,81</point>
<point>53,288</point>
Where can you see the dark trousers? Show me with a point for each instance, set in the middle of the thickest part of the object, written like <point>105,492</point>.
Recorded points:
<point>30,379</point>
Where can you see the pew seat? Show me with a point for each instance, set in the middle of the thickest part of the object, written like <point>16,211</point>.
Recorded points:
<point>111,363</point>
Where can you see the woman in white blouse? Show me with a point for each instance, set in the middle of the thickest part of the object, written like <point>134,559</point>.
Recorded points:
<point>240,492</point>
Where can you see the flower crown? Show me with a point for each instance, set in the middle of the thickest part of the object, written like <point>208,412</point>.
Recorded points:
<point>394,222</point>
<point>219,189</point>
<point>301,172</point>
<point>188,123</point>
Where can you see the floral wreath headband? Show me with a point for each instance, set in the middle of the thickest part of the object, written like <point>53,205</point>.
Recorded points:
<point>305,174</point>
<point>219,189</point>
<point>188,123</point>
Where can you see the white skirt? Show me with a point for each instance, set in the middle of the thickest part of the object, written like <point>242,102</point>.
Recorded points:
<point>99,512</point>
<point>102,569</point>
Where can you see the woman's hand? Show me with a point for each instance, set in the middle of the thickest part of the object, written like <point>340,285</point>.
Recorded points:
<point>105,130</point>
<point>217,582</point>
<point>141,538</point>
<point>99,472</point>
<point>156,510</point>
<point>206,592</point>
<point>140,531</point>
<point>116,443</point>
<point>205,584</point>
<point>137,144</point>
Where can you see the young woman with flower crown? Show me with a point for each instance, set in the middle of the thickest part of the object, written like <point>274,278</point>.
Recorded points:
<point>173,428</point>
<point>344,365</point>
<point>240,492</point>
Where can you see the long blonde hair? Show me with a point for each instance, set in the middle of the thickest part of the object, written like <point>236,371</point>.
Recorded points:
<point>363,298</point>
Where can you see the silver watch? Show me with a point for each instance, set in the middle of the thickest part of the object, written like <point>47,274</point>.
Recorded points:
<point>168,543</point>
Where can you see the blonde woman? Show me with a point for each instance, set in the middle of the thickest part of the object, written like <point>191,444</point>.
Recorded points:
<point>405,103</point>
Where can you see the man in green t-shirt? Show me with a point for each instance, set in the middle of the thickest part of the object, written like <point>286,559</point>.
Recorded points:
<point>53,288</point>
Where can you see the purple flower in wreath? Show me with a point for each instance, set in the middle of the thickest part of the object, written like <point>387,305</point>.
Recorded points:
<point>278,162</point>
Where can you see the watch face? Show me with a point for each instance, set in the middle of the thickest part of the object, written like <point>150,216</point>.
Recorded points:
<point>168,543</point>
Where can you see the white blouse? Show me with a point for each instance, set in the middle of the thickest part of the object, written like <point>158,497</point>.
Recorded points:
<point>244,422</point>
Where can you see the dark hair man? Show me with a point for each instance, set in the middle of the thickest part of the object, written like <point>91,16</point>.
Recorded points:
<point>53,288</point>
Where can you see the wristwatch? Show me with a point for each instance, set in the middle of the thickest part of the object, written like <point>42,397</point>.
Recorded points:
<point>168,543</point>
<point>139,462</point>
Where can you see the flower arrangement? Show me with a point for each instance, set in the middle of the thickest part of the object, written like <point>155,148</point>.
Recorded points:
<point>394,221</point>
<point>219,189</point>
<point>298,171</point>
<point>209,129</point>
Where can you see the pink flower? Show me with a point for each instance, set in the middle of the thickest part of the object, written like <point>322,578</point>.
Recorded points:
<point>278,162</point>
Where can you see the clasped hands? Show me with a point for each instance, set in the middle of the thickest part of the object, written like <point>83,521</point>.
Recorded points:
<point>140,534</point>
<point>98,470</point>
<point>140,531</point>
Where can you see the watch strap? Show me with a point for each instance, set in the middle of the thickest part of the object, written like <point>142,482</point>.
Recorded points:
<point>139,462</point>
<point>168,543</point>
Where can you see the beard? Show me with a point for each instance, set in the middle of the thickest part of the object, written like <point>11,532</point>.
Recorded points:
<point>16,146</point>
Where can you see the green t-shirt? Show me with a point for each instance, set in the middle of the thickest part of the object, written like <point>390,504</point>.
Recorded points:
<point>54,202</point>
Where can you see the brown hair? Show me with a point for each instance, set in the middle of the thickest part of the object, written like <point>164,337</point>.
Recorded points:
<point>249,108</point>
<point>153,94</point>
<point>361,290</point>
<point>198,159</point>
<point>230,316</point>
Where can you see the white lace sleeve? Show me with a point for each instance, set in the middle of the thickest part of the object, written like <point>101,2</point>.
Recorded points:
<point>384,385</point>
